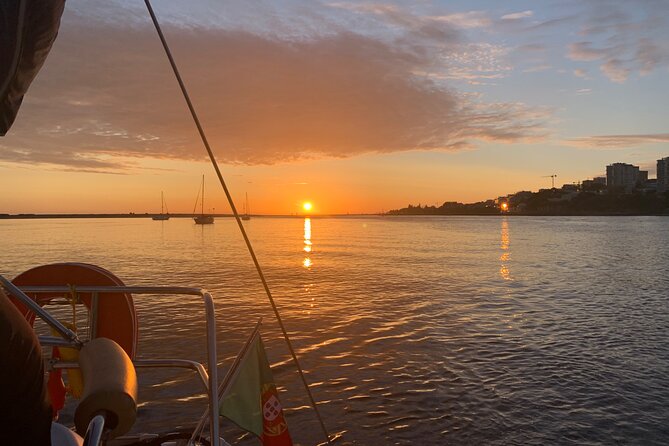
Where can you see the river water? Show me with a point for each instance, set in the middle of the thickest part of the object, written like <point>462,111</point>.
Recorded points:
<point>412,330</point>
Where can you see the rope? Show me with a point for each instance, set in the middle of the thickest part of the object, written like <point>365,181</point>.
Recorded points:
<point>236,214</point>
<point>197,199</point>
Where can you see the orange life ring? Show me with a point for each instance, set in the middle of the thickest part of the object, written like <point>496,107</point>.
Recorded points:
<point>116,320</point>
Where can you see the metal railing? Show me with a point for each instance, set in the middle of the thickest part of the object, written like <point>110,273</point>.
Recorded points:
<point>208,377</point>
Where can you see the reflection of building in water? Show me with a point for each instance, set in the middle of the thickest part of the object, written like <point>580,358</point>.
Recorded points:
<point>504,257</point>
<point>307,243</point>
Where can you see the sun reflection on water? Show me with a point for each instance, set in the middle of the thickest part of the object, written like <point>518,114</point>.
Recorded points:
<point>307,263</point>
<point>505,256</point>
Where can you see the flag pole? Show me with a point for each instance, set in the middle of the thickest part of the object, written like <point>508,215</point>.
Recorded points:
<point>210,152</point>
<point>222,387</point>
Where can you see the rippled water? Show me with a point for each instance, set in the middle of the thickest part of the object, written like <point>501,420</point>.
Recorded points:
<point>437,330</point>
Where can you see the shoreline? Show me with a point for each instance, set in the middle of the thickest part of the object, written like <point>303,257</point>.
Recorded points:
<point>148,216</point>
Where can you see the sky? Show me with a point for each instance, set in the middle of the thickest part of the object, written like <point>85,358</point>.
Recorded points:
<point>358,107</point>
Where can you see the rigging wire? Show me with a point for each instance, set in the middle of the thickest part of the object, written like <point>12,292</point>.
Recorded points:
<point>197,200</point>
<point>236,214</point>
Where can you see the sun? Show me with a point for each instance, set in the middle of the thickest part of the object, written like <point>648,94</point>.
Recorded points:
<point>307,206</point>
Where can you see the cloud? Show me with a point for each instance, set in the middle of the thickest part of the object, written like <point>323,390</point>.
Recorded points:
<point>627,40</point>
<point>541,26</point>
<point>582,51</point>
<point>433,24</point>
<point>466,20</point>
<point>107,95</point>
<point>518,15</point>
<point>74,160</point>
<point>475,61</point>
<point>442,37</point>
<point>615,70</point>
<point>415,26</point>
<point>649,55</point>
<point>645,58</point>
<point>614,142</point>
<point>580,72</point>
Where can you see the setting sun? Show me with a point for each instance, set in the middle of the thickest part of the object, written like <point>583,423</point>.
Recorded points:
<point>307,206</point>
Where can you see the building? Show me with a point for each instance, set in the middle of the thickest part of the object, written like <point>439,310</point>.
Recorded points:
<point>650,186</point>
<point>622,176</point>
<point>663,174</point>
<point>642,179</point>
<point>519,197</point>
<point>595,185</point>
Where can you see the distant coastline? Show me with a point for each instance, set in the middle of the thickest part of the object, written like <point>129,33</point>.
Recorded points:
<point>386,215</point>
<point>566,201</point>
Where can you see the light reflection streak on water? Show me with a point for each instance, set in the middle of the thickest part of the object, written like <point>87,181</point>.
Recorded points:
<point>307,263</point>
<point>504,257</point>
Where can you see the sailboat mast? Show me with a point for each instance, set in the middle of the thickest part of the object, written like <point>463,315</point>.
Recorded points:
<point>202,204</point>
<point>162,203</point>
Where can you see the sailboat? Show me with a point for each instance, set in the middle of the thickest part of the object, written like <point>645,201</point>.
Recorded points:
<point>245,215</point>
<point>202,219</point>
<point>163,215</point>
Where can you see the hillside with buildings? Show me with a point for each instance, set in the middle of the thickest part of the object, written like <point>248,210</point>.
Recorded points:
<point>625,190</point>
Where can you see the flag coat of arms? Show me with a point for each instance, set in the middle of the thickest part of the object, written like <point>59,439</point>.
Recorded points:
<point>251,400</point>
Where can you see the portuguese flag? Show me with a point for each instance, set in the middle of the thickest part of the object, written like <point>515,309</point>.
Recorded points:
<point>250,399</point>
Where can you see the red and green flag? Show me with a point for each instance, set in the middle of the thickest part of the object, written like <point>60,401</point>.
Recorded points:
<point>250,399</point>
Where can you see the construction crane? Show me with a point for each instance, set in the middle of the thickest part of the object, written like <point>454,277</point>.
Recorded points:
<point>552,177</point>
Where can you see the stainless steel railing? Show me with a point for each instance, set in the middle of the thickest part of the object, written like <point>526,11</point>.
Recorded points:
<point>209,377</point>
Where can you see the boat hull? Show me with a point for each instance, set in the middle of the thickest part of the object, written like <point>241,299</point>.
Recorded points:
<point>203,219</point>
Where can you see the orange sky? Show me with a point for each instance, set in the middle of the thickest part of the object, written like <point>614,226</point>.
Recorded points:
<point>365,184</point>
<point>357,107</point>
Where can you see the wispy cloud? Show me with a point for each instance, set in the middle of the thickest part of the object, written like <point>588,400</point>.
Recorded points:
<point>413,25</point>
<point>583,51</point>
<point>615,70</point>
<point>628,41</point>
<point>475,61</point>
<point>614,142</point>
<point>580,72</point>
<point>518,15</point>
<point>469,19</point>
<point>552,23</point>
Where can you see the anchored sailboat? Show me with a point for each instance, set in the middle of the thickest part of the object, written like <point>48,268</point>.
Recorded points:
<point>163,215</point>
<point>202,219</point>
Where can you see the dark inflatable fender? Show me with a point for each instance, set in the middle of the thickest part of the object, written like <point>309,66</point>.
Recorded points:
<point>28,29</point>
<point>25,411</point>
